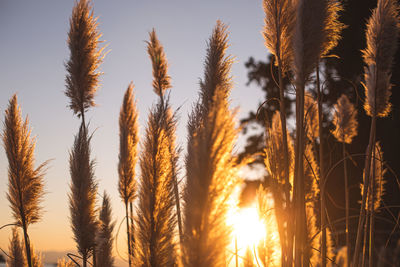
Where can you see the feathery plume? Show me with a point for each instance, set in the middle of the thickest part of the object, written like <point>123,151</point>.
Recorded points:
<point>210,167</point>
<point>155,50</point>
<point>82,198</point>
<point>128,140</point>
<point>82,79</point>
<point>105,235</point>
<point>37,259</point>
<point>64,263</point>
<point>344,120</point>
<point>382,36</point>
<point>311,117</point>
<point>25,183</point>
<point>156,221</point>
<point>15,249</point>
<point>378,180</point>
<point>278,30</point>
<point>274,151</point>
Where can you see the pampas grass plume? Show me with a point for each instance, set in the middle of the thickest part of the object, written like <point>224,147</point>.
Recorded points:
<point>381,34</point>
<point>129,138</point>
<point>15,250</point>
<point>161,81</point>
<point>210,166</point>
<point>311,117</point>
<point>82,79</point>
<point>64,263</point>
<point>344,120</point>
<point>83,194</point>
<point>104,247</point>
<point>278,30</point>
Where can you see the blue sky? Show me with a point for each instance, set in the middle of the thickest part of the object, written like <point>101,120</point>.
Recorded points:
<point>32,55</point>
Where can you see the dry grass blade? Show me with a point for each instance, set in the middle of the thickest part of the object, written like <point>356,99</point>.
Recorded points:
<point>278,30</point>
<point>344,120</point>
<point>161,81</point>
<point>82,79</point>
<point>381,34</point>
<point>15,250</point>
<point>82,198</point>
<point>210,166</point>
<point>104,247</point>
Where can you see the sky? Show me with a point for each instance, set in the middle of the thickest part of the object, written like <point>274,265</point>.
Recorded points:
<point>33,51</point>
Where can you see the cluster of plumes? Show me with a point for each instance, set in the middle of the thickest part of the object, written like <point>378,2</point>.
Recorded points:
<point>278,30</point>
<point>375,196</point>
<point>25,183</point>
<point>382,36</point>
<point>311,117</point>
<point>82,79</point>
<point>316,32</point>
<point>274,151</point>
<point>210,166</point>
<point>161,81</point>
<point>15,249</point>
<point>104,237</point>
<point>16,255</point>
<point>344,120</point>
<point>82,198</point>
<point>268,249</point>
<point>129,138</point>
<point>155,243</point>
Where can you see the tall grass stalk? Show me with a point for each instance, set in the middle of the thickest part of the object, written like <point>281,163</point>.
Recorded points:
<point>25,183</point>
<point>345,122</point>
<point>381,34</point>
<point>278,29</point>
<point>210,166</point>
<point>156,219</point>
<point>128,140</point>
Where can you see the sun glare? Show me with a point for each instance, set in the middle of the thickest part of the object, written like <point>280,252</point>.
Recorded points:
<point>248,228</point>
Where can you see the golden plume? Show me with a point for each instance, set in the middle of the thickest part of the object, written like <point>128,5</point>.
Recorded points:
<point>15,250</point>
<point>25,183</point>
<point>344,120</point>
<point>381,34</point>
<point>377,175</point>
<point>311,117</point>
<point>82,199</point>
<point>210,165</point>
<point>104,244</point>
<point>278,30</point>
<point>82,79</point>
<point>155,50</point>
<point>37,258</point>
<point>155,243</point>
<point>128,140</point>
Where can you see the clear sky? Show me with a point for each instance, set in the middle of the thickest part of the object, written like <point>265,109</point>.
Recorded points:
<point>33,50</point>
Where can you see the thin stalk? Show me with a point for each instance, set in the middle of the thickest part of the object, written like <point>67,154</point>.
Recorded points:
<point>84,260</point>
<point>128,234</point>
<point>94,257</point>
<point>322,173</point>
<point>347,209</point>
<point>365,191</point>
<point>300,219</point>
<point>178,210</point>
<point>365,242</point>
<point>236,253</point>
<point>132,230</point>
<point>27,243</point>
<point>286,255</point>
